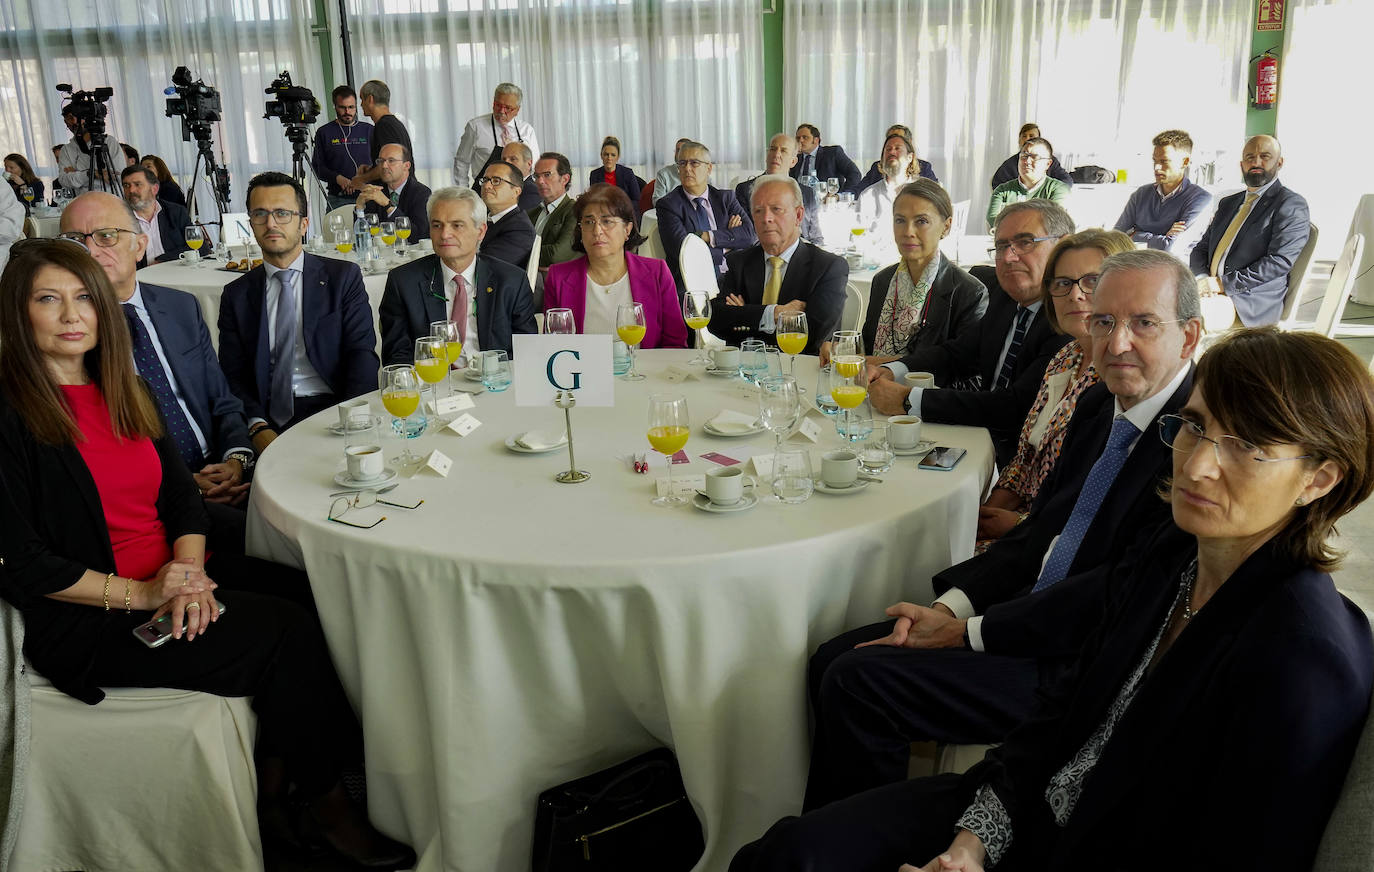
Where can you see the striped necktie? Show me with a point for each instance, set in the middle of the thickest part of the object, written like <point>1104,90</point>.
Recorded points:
<point>1018,336</point>
<point>150,367</point>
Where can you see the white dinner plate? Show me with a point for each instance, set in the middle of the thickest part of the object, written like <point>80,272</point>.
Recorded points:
<point>721,373</point>
<point>470,375</point>
<point>733,434</point>
<point>343,480</point>
<point>922,447</point>
<point>703,502</point>
<point>520,449</point>
<point>858,485</point>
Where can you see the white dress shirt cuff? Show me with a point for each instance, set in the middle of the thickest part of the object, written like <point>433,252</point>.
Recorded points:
<point>767,324</point>
<point>974,628</point>
<point>958,602</point>
<point>899,370</point>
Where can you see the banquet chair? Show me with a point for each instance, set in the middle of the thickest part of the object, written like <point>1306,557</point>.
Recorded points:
<point>104,785</point>
<point>1339,286</point>
<point>1347,845</point>
<point>345,211</point>
<point>653,244</point>
<point>1296,277</point>
<point>532,271</point>
<point>696,266</point>
<point>852,318</point>
<point>949,246</point>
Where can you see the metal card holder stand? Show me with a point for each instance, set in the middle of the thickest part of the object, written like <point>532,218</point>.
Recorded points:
<point>565,401</point>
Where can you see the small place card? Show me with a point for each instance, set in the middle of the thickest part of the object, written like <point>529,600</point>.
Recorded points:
<point>808,429</point>
<point>455,403</point>
<point>718,458</point>
<point>684,486</point>
<point>463,424</point>
<point>675,373</point>
<point>438,463</point>
<point>763,465</point>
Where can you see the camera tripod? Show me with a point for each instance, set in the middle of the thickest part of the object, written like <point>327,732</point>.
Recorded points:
<point>216,175</point>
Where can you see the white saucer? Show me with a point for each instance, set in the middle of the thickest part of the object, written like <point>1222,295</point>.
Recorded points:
<point>922,447</point>
<point>721,373</point>
<point>703,502</point>
<point>342,480</point>
<point>858,485</point>
<point>470,375</point>
<point>520,449</point>
<point>337,429</point>
<point>733,434</point>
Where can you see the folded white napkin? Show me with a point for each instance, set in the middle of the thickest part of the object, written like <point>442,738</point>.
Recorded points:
<point>730,421</point>
<point>536,440</point>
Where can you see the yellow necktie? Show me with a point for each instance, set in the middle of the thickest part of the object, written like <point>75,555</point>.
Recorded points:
<point>770,290</point>
<point>1223,247</point>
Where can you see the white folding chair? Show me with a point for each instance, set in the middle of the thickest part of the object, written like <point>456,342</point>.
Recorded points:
<point>1296,277</point>
<point>652,245</point>
<point>696,266</point>
<point>1339,287</point>
<point>949,246</point>
<point>533,269</point>
<point>852,318</point>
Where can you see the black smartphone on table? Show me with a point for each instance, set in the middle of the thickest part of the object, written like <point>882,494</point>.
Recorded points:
<point>943,458</point>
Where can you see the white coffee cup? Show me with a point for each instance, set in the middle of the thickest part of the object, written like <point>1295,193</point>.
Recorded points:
<point>839,468</point>
<point>189,257</point>
<point>725,486</point>
<point>904,431</point>
<point>725,358</point>
<point>365,462</point>
<point>354,409</point>
<point>920,380</point>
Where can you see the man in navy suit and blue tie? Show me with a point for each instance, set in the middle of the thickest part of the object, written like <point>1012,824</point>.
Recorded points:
<point>295,334</point>
<point>823,161</point>
<point>1255,236</point>
<point>697,208</point>
<point>172,349</point>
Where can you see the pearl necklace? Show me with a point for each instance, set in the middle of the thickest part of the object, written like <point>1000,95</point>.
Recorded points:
<point>1189,578</point>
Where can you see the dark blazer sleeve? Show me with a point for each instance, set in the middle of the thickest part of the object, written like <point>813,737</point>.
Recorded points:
<point>238,342</point>
<point>1288,232</point>
<point>673,227</point>
<point>825,302</point>
<point>510,239</point>
<point>358,363</point>
<point>172,222</point>
<point>397,342</point>
<point>413,203</point>
<point>170,192</point>
<point>845,169</point>
<point>521,308</point>
<point>734,324</point>
<point>203,383</point>
<point>725,236</point>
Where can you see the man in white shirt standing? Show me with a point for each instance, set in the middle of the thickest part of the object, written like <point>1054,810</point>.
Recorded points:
<point>486,134</point>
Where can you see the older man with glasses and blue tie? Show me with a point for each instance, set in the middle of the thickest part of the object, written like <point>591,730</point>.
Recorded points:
<point>698,208</point>
<point>295,334</point>
<point>966,669</point>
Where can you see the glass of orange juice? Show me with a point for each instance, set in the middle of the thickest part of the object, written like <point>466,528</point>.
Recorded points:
<point>696,311</point>
<point>669,427</point>
<point>629,325</point>
<point>791,335</point>
<point>431,364</point>
<point>848,380</point>
<point>453,346</point>
<point>400,387</point>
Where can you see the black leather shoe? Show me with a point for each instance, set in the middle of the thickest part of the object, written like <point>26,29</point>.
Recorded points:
<point>367,850</point>
<point>281,824</point>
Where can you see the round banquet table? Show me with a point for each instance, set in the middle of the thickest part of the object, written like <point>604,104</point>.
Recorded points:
<point>513,633</point>
<point>206,282</point>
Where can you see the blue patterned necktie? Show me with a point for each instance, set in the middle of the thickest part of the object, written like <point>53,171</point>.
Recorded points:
<point>703,221</point>
<point>1018,336</point>
<point>280,398</point>
<point>1095,488</point>
<point>150,367</point>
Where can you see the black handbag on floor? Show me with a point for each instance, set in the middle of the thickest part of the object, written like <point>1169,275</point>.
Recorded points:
<point>630,817</point>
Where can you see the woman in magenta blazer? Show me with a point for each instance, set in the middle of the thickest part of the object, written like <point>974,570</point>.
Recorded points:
<point>623,178</point>
<point>594,285</point>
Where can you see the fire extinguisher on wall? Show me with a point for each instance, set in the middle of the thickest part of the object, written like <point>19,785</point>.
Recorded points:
<point>1267,81</point>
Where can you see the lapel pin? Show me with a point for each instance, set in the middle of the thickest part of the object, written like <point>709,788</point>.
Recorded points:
<point>489,289</point>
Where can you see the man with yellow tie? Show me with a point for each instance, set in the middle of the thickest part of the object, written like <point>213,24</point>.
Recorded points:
<point>1254,238</point>
<point>781,274</point>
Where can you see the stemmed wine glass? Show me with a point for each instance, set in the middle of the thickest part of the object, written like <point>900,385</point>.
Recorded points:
<point>431,365</point>
<point>337,224</point>
<point>343,241</point>
<point>447,331</point>
<point>195,237</point>
<point>400,386</point>
<point>669,427</point>
<point>559,322</point>
<point>629,325</point>
<point>389,235</point>
<point>849,376</point>
<point>791,335</point>
<point>26,191</point>
<point>779,405</point>
<point>402,233</point>
<point>696,311</point>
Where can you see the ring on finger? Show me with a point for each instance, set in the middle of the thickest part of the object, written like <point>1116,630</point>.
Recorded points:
<point>190,606</point>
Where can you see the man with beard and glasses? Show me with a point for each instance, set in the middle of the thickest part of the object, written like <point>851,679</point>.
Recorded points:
<point>341,146</point>
<point>1249,248</point>
<point>163,223</point>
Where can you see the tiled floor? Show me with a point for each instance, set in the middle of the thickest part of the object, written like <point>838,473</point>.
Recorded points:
<point>1356,532</point>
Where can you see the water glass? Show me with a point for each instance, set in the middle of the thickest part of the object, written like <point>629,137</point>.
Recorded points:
<point>792,476</point>
<point>779,405</point>
<point>875,452</point>
<point>495,371</point>
<point>856,423</point>
<point>560,322</point>
<point>824,402</point>
<point>620,357</point>
<point>753,360</point>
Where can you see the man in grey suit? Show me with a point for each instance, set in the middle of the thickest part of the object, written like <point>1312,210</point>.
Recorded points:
<point>1254,238</point>
<point>489,298</point>
<point>780,157</point>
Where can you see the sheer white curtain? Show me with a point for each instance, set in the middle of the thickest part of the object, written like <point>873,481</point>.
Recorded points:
<point>645,72</point>
<point>1323,122</point>
<point>1101,77</point>
<point>133,46</point>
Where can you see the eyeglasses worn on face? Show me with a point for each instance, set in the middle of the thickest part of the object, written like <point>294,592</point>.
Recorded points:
<point>692,164</point>
<point>1062,286</point>
<point>1231,452</point>
<point>494,180</point>
<point>1033,157</point>
<point>607,224</point>
<point>1020,245</point>
<point>389,160</point>
<point>279,216</point>
<point>103,237</point>
<point>1102,326</point>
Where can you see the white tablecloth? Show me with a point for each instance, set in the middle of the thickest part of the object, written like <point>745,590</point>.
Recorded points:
<point>513,633</point>
<point>206,281</point>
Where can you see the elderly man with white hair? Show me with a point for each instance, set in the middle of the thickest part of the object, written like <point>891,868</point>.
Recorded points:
<point>485,136</point>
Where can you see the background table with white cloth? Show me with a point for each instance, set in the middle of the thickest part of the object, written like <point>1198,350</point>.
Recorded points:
<point>513,633</point>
